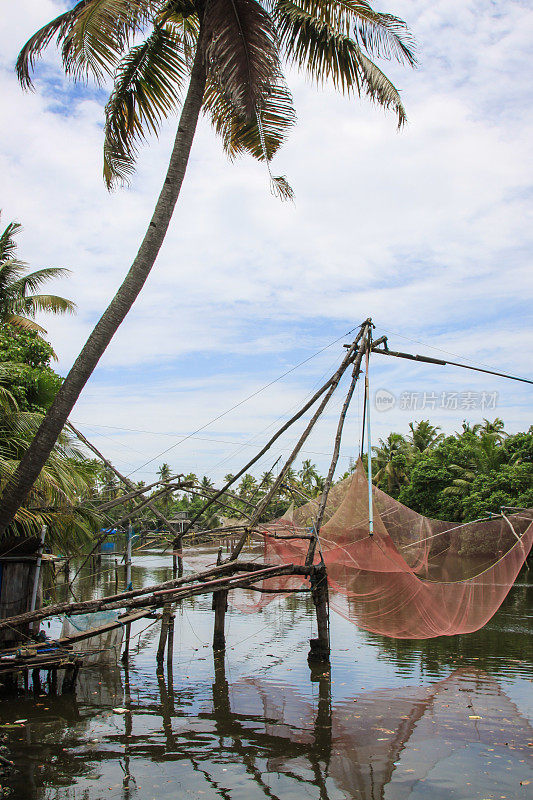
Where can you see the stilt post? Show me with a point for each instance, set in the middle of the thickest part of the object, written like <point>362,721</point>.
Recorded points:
<point>170,643</point>
<point>163,635</point>
<point>128,586</point>
<point>320,647</point>
<point>220,606</point>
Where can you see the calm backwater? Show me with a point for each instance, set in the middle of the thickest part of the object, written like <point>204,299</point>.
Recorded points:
<point>391,720</point>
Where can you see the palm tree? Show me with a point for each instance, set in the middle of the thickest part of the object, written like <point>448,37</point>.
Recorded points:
<point>231,53</point>
<point>391,458</point>
<point>267,479</point>
<point>423,435</point>
<point>164,473</point>
<point>18,304</point>
<point>247,486</point>
<point>59,497</point>
<point>496,428</point>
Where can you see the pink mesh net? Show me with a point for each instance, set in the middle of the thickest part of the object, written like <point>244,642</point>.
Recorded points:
<point>415,578</point>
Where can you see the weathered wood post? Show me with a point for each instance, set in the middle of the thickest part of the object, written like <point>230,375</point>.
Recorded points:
<point>36,680</point>
<point>128,586</point>
<point>37,578</point>
<point>177,557</point>
<point>163,635</point>
<point>170,643</point>
<point>219,606</point>
<point>320,647</point>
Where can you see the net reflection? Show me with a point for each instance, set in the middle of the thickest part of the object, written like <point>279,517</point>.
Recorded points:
<point>361,746</point>
<point>254,738</point>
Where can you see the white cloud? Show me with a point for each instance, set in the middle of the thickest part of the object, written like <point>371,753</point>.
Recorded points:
<point>427,230</point>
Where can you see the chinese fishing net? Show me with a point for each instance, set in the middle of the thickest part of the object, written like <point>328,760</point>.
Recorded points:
<point>415,578</point>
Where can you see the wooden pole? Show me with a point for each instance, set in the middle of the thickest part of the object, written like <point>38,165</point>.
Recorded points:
<point>126,481</point>
<point>128,587</point>
<point>320,647</point>
<point>369,444</point>
<point>163,635</point>
<point>170,644</point>
<point>338,437</point>
<point>332,384</point>
<point>280,431</point>
<point>220,606</point>
<point>36,577</point>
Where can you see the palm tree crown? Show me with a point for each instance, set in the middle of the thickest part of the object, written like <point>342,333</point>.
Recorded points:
<point>18,304</point>
<point>148,48</point>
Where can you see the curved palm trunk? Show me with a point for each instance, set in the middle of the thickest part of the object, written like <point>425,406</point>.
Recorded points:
<point>35,457</point>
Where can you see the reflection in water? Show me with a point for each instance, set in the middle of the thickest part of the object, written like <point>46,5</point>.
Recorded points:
<point>252,725</point>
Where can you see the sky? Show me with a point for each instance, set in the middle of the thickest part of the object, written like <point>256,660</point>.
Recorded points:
<point>427,231</point>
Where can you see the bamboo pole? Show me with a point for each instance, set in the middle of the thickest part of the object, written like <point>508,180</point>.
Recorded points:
<point>278,433</point>
<point>128,587</point>
<point>332,385</point>
<point>170,644</point>
<point>126,481</point>
<point>220,606</point>
<point>163,635</point>
<point>118,501</point>
<point>122,599</point>
<point>336,449</point>
<point>321,646</point>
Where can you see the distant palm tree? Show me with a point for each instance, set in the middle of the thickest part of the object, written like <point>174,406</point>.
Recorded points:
<point>389,462</point>
<point>496,428</point>
<point>247,486</point>
<point>18,303</point>
<point>267,479</point>
<point>231,54</point>
<point>424,435</point>
<point>206,484</point>
<point>164,473</point>
<point>308,474</point>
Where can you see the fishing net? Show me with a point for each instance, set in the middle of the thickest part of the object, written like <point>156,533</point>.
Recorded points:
<point>103,648</point>
<point>415,578</point>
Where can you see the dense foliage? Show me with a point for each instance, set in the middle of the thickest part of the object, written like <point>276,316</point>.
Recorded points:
<point>459,478</point>
<point>28,385</point>
<point>25,358</point>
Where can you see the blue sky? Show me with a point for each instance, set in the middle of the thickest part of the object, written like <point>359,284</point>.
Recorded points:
<point>427,230</point>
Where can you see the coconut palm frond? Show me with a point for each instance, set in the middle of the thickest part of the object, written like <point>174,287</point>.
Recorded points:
<point>281,188</point>
<point>324,53</point>
<point>379,88</point>
<point>50,303</point>
<point>40,40</point>
<point>10,271</point>
<point>147,89</point>
<point>99,33</point>
<point>241,52</point>
<point>381,35</point>
<point>90,36</point>
<point>8,244</point>
<point>240,135</point>
<point>24,323</point>
<point>33,280</point>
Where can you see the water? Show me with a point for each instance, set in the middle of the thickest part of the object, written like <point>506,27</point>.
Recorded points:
<point>442,718</point>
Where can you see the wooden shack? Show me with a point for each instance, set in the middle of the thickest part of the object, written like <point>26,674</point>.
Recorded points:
<point>18,563</point>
